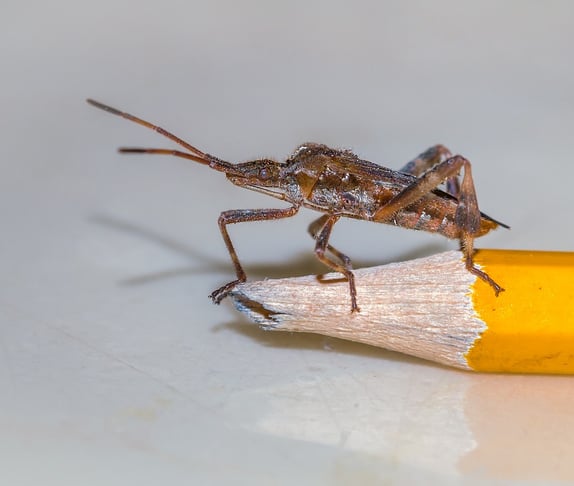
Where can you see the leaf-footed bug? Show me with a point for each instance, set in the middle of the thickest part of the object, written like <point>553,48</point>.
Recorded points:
<point>340,184</point>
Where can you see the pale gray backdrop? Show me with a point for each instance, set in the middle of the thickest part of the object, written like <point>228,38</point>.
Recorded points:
<point>114,366</point>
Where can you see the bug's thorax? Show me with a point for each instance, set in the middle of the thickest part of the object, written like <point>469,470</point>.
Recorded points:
<point>338,182</point>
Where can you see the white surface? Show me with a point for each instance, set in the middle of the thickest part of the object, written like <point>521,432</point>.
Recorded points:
<point>114,366</point>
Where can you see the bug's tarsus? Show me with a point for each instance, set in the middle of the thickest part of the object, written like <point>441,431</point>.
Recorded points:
<point>219,294</point>
<point>467,248</point>
<point>483,276</point>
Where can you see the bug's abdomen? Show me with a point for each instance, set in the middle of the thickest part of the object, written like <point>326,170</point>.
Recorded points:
<point>429,214</point>
<point>436,214</point>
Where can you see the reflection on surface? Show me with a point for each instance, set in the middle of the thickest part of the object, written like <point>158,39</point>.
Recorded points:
<point>392,409</point>
<point>523,427</point>
<point>407,412</point>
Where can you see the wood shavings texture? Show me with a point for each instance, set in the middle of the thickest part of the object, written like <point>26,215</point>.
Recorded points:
<point>421,307</point>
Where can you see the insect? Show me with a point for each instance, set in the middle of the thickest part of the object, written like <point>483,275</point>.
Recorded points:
<point>339,184</point>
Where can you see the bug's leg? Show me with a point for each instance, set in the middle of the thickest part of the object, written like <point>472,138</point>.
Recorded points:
<point>466,243</point>
<point>467,216</point>
<point>314,229</point>
<point>322,235</point>
<point>428,159</point>
<point>240,216</point>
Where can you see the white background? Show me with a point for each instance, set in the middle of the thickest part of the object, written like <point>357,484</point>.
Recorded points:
<point>115,368</point>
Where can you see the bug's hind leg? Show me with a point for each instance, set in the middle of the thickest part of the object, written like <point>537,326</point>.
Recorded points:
<point>320,230</point>
<point>467,216</point>
<point>428,159</point>
<point>466,246</point>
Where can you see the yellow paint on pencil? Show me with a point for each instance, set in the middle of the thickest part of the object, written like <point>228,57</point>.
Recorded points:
<point>530,326</point>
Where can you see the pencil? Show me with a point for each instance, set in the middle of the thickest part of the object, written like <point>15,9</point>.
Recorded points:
<point>435,309</point>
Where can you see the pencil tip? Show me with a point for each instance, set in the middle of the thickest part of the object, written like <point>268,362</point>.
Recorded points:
<point>256,311</point>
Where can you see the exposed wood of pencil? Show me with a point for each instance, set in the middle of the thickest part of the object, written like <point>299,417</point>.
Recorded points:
<point>435,309</point>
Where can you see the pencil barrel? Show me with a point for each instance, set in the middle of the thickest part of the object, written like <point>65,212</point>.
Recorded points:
<point>530,326</point>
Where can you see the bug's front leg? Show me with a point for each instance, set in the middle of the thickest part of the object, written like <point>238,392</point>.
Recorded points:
<point>240,216</point>
<point>321,230</point>
<point>467,216</point>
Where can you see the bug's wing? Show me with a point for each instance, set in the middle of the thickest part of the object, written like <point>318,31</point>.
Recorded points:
<point>377,174</point>
<point>400,180</point>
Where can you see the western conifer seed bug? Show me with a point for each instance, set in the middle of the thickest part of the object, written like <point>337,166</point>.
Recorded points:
<point>339,184</point>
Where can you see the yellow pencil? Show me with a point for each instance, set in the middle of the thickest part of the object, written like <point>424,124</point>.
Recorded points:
<point>435,309</point>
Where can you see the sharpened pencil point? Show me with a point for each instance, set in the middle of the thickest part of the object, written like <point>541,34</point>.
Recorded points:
<point>435,309</point>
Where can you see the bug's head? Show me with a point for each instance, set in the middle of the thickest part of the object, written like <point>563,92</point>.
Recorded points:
<point>256,174</point>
